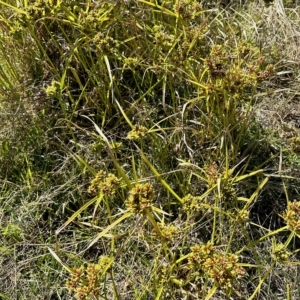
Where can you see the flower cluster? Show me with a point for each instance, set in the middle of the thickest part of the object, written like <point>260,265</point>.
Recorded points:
<point>85,281</point>
<point>200,254</point>
<point>140,198</point>
<point>105,44</point>
<point>216,62</point>
<point>53,90</point>
<point>280,253</point>
<point>137,132</point>
<point>240,216</point>
<point>191,203</point>
<point>221,268</point>
<point>163,39</point>
<point>39,9</point>
<point>105,184</point>
<point>187,9</point>
<point>163,275</point>
<point>168,232</point>
<point>292,216</point>
<point>212,174</point>
<point>267,73</point>
<point>228,193</point>
<point>238,70</point>
<point>295,144</point>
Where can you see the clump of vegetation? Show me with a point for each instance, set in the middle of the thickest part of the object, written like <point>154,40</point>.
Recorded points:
<point>140,158</point>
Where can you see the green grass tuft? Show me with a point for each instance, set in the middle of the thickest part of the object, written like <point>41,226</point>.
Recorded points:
<point>149,150</point>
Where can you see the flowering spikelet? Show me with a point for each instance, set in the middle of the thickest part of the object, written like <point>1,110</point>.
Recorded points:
<point>137,132</point>
<point>212,173</point>
<point>280,253</point>
<point>223,269</point>
<point>191,203</point>
<point>104,184</point>
<point>85,281</point>
<point>292,216</point>
<point>200,254</point>
<point>167,231</point>
<point>140,198</point>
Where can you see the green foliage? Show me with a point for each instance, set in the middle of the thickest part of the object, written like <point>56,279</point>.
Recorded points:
<point>139,152</point>
<point>12,231</point>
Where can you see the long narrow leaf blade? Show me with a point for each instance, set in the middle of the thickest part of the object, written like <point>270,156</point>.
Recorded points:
<point>108,228</point>
<point>76,214</point>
